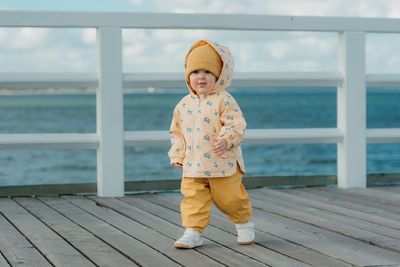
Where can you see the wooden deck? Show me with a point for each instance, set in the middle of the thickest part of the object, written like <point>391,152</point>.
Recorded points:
<point>296,227</point>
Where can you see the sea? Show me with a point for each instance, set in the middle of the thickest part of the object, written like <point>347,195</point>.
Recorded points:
<point>290,108</point>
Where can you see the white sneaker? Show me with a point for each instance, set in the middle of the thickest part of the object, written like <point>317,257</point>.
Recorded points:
<point>245,233</point>
<point>190,239</point>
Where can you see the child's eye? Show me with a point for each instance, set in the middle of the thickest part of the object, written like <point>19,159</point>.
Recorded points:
<point>196,71</point>
<point>207,72</point>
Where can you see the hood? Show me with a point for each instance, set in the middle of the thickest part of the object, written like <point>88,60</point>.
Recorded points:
<point>228,64</point>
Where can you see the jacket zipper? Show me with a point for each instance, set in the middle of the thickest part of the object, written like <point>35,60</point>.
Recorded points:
<point>194,137</point>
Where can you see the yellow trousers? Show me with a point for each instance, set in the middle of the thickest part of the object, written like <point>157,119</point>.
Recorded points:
<point>227,193</point>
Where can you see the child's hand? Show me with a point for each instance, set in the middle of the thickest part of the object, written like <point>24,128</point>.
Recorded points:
<point>177,164</point>
<point>220,146</point>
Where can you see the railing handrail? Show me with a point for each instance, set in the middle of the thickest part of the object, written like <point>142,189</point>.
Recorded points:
<point>57,19</point>
<point>175,79</point>
<point>161,138</point>
<point>350,134</point>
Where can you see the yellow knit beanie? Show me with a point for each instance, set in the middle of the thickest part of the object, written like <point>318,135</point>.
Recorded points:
<point>203,57</point>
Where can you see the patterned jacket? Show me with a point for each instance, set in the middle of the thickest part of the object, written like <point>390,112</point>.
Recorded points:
<point>198,120</point>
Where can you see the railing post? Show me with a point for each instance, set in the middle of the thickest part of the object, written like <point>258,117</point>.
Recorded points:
<point>110,155</point>
<point>351,111</point>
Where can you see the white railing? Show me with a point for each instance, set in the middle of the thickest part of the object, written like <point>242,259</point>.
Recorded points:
<point>350,134</point>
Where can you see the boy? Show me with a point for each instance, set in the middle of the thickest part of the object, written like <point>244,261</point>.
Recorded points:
<point>206,130</point>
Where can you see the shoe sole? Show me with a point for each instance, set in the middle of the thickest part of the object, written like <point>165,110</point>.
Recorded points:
<point>246,243</point>
<point>186,246</point>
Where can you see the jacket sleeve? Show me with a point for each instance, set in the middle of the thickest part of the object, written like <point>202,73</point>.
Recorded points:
<point>233,123</point>
<point>177,152</point>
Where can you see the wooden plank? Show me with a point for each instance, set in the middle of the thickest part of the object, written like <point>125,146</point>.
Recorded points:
<point>88,244</point>
<point>220,236</point>
<point>160,185</point>
<point>395,189</point>
<point>3,261</point>
<point>337,243</point>
<point>309,206</point>
<point>385,198</point>
<point>292,180</point>
<point>136,186</point>
<point>16,248</point>
<point>336,205</point>
<point>354,228</point>
<point>269,242</point>
<point>127,245</point>
<point>369,201</point>
<point>256,181</point>
<point>323,241</point>
<point>375,196</point>
<point>142,232</point>
<point>383,179</point>
<point>328,243</point>
<point>48,189</point>
<point>51,245</point>
<point>210,248</point>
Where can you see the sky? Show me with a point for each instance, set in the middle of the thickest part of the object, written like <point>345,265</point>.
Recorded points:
<point>74,50</point>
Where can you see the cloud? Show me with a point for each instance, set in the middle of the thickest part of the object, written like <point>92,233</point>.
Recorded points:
<point>136,2</point>
<point>394,10</point>
<point>136,35</point>
<point>89,36</point>
<point>163,50</point>
<point>22,38</point>
<point>134,50</point>
<point>45,50</point>
<point>173,35</point>
<point>3,36</point>
<point>205,6</point>
<point>321,44</point>
<point>49,59</point>
<point>382,53</point>
<point>357,8</point>
<point>5,8</point>
<point>277,49</point>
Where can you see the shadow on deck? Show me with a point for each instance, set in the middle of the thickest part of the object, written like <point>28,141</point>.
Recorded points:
<point>295,227</point>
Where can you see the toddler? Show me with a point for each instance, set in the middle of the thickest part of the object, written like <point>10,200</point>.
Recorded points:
<point>206,130</point>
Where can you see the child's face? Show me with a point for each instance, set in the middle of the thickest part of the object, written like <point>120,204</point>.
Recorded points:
<point>202,81</point>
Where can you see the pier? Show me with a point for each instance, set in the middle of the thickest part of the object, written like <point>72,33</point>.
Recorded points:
<point>103,224</point>
<point>294,227</point>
